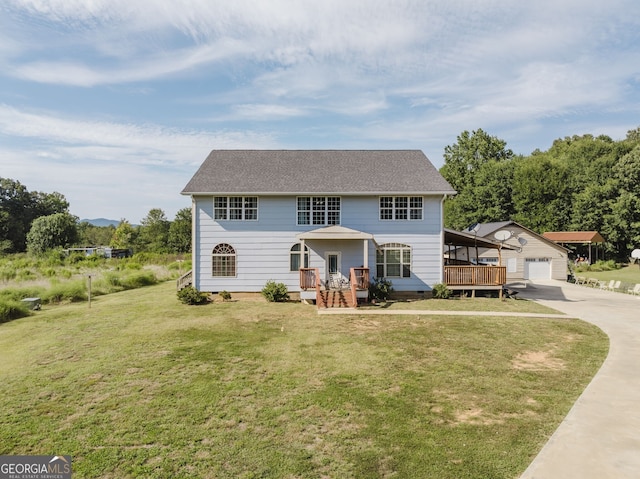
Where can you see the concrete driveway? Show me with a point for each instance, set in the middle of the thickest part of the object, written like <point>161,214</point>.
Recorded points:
<point>600,437</point>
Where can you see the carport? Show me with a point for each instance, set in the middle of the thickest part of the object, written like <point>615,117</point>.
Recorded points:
<point>589,238</point>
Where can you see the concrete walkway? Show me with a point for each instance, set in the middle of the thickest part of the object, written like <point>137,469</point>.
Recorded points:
<point>600,437</point>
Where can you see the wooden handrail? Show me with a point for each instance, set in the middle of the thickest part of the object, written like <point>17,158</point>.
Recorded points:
<point>475,275</point>
<point>185,280</point>
<point>359,280</point>
<point>309,278</point>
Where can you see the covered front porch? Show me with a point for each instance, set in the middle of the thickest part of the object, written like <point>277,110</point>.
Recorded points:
<point>343,277</point>
<point>463,275</point>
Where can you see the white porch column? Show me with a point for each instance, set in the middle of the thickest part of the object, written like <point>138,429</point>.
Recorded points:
<point>365,263</point>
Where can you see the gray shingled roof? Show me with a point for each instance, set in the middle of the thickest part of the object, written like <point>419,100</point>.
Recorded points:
<point>317,171</point>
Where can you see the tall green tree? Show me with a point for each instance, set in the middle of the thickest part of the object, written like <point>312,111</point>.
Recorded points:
<point>622,224</point>
<point>154,232</point>
<point>478,166</point>
<point>541,194</point>
<point>180,232</point>
<point>52,231</point>
<point>124,236</point>
<point>19,207</point>
<point>92,235</point>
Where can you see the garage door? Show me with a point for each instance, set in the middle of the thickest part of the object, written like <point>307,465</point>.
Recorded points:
<point>537,268</point>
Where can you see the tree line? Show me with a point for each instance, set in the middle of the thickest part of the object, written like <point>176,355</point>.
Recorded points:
<point>581,183</point>
<point>36,222</point>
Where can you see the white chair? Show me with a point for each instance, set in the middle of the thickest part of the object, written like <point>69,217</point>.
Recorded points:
<point>635,290</point>
<point>615,286</point>
<point>604,285</point>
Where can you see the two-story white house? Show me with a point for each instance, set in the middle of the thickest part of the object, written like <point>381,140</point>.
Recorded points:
<point>301,216</point>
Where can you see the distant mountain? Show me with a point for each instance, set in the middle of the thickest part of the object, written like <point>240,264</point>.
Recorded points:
<point>101,222</point>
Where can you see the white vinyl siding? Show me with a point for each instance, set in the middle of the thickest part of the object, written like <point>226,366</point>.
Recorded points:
<point>263,247</point>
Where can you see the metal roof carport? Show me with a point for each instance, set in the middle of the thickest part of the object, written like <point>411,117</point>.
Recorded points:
<point>576,237</point>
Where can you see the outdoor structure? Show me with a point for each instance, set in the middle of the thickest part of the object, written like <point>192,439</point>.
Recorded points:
<point>529,255</point>
<point>587,239</point>
<point>460,274</point>
<point>323,222</point>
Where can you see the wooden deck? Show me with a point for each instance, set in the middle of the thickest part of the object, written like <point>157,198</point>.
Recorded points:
<point>344,295</point>
<point>472,278</point>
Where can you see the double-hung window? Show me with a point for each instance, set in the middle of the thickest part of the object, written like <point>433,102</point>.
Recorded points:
<point>235,208</point>
<point>393,260</point>
<point>318,210</point>
<point>401,208</point>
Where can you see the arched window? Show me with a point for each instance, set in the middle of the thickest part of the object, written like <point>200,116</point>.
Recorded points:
<point>224,260</point>
<point>393,260</point>
<point>294,257</point>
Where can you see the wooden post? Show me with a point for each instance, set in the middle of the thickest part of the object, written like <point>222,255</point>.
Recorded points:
<point>89,277</point>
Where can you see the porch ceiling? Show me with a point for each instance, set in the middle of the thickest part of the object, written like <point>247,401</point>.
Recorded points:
<point>334,233</point>
<point>458,238</point>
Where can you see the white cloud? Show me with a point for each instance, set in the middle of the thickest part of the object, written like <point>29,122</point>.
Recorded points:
<point>364,73</point>
<point>106,167</point>
<point>111,140</point>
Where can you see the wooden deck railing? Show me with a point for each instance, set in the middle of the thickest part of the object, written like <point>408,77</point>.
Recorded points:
<point>185,280</point>
<point>309,278</point>
<point>475,275</point>
<point>359,280</point>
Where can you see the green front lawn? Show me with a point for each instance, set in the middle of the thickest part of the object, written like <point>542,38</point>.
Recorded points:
<point>629,274</point>
<point>142,386</point>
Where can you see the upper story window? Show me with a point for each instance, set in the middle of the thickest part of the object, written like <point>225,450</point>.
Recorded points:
<point>318,210</point>
<point>235,208</point>
<point>401,208</point>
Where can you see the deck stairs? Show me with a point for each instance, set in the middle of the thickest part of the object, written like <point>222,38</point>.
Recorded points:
<point>185,280</point>
<point>335,298</point>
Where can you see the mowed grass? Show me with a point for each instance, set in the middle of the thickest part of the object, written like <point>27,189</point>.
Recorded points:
<point>142,386</point>
<point>629,274</point>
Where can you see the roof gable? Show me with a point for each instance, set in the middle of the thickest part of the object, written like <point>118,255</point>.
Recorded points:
<point>486,230</point>
<point>317,171</point>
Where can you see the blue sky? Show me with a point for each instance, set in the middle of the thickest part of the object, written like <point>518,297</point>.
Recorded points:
<point>115,103</point>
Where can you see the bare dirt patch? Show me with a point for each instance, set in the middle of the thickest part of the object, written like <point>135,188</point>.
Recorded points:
<point>538,361</point>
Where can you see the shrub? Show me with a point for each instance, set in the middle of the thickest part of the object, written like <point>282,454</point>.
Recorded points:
<point>380,289</point>
<point>182,265</point>
<point>609,265</point>
<point>7,273</point>
<point>225,295</point>
<point>49,272</point>
<point>72,291</point>
<point>10,310</point>
<point>440,291</point>
<point>138,280</point>
<point>191,295</point>
<point>275,292</point>
<point>26,275</point>
<point>16,294</point>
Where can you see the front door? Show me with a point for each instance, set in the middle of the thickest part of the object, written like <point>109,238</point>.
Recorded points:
<point>332,264</point>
